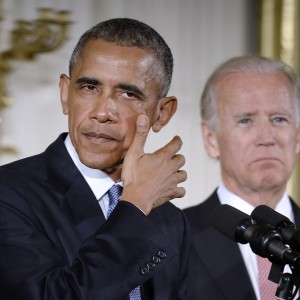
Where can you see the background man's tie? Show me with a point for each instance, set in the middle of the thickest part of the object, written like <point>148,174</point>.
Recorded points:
<point>267,288</point>
<point>114,194</point>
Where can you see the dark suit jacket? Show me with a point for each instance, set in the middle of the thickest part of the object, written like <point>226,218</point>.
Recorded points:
<point>55,243</point>
<point>216,270</point>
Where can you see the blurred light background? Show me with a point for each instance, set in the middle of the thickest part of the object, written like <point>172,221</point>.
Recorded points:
<point>201,34</point>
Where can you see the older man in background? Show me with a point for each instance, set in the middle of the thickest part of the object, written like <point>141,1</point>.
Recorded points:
<point>250,124</point>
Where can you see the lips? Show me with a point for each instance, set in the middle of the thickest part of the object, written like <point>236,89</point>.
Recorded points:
<point>99,135</point>
<point>267,159</point>
<point>99,138</point>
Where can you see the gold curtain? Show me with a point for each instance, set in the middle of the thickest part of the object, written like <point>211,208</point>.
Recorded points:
<point>278,36</point>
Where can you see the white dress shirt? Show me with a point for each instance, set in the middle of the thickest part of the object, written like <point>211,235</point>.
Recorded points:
<point>284,207</point>
<point>98,180</point>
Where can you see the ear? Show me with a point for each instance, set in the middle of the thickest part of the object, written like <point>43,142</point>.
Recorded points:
<point>298,141</point>
<point>210,141</point>
<point>64,82</point>
<point>166,108</point>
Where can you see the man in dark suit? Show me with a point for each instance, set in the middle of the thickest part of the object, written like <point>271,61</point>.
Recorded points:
<point>250,123</point>
<point>56,238</point>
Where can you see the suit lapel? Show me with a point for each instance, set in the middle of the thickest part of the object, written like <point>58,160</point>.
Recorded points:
<point>78,202</point>
<point>230,272</point>
<point>296,211</point>
<point>82,208</point>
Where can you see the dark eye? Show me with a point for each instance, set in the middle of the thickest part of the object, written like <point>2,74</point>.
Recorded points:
<point>130,95</point>
<point>245,121</point>
<point>89,87</point>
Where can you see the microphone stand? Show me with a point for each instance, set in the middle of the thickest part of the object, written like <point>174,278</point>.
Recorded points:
<point>265,241</point>
<point>288,283</point>
<point>285,287</point>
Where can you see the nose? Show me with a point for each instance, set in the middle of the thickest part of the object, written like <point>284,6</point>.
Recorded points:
<point>265,134</point>
<point>105,110</point>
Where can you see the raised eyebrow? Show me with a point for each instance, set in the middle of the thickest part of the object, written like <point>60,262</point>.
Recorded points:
<point>131,88</point>
<point>245,115</point>
<point>88,80</point>
<point>282,113</point>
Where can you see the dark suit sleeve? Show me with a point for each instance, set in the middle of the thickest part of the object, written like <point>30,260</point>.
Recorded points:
<point>184,261</point>
<point>34,262</point>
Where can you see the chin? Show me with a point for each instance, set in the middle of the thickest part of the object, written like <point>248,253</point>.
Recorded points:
<point>92,162</point>
<point>96,165</point>
<point>268,183</point>
<point>103,164</point>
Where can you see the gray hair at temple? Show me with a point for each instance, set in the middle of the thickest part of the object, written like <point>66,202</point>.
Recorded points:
<point>244,64</point>
<point>132,33</point>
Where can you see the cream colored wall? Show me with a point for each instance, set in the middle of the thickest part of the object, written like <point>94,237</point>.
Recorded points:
<point>201,34</point>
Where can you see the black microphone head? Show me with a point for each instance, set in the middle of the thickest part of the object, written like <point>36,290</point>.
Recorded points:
<point>230,222</point>
<point>264,214</point>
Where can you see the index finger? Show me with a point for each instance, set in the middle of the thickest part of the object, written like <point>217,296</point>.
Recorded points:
<point>172,147</point>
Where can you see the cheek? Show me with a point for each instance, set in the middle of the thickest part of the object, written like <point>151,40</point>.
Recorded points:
<point>296,140</point>
<point>234,150</point>
<point>130,107</point>
<point>229,152</point>
<point>127,115</point>
<point>77,117</point>
<point>125,108</point>
<point>230,143</point>
<point>289,143</point>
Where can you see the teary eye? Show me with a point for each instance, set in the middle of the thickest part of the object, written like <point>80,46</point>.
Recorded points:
<point>89,87</point>
<point>130,94</point>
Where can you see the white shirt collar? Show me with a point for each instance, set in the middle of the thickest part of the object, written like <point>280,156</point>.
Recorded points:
<point>284,206</point>
<point>98,180</point>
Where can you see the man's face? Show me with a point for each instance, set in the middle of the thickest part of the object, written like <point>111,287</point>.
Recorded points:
<point>109,87</point>
<point>257,137</point>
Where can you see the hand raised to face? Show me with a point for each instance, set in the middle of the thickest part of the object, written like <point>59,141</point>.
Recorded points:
<point>151,180</point>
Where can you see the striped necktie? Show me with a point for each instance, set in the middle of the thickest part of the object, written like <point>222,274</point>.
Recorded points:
<point>114,195</point>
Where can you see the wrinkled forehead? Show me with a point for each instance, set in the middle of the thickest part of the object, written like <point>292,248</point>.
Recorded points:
<point>264,86</point>
<point>255,94</point>
<point>139,58</point>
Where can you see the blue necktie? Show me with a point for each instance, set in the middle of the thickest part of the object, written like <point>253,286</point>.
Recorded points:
<point>114,194</point>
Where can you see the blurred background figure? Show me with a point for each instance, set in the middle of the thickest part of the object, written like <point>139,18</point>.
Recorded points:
<point>250,124</point>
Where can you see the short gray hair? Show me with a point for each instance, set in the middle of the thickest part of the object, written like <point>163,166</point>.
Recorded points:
<point>244,64</point>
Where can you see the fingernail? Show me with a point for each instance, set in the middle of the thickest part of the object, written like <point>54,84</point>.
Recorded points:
<point>142,120</point>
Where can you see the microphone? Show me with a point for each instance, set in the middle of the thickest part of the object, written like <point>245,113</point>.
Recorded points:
<point>264,239</point>
<point>289,234</point>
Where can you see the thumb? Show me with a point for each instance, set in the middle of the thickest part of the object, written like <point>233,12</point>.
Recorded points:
<point>139,141</point>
